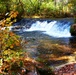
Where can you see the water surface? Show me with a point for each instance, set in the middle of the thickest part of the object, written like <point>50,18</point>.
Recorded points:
<point>54,31</point>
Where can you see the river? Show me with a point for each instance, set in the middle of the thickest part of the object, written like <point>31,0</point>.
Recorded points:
<point>49,33</point>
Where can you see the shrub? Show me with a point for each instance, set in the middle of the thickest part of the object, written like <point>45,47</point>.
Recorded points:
<point>8,40</point>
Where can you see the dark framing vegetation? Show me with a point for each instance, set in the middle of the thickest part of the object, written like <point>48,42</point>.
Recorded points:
<point>12,57</point>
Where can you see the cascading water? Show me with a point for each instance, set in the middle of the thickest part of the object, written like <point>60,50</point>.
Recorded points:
<point>53,28</point>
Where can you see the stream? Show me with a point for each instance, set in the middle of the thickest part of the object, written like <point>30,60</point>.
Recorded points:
<point>48,40</point>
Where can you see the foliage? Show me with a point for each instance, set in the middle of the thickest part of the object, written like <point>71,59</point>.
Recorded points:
<point>73,2</point>
<point>18,6</point>
<point>32,6</point>
<point>11,5</point>
<point>24,66</point>
<point>48,8</point>
<point>2,8</point>
<point>74,19</point>
<point>15,66</point>
<point>49,5</point>
<point>54,8</point>
<point>9,42</point>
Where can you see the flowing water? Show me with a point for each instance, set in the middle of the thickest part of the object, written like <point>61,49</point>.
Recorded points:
<point>55,28</point>
<point>34,30</point>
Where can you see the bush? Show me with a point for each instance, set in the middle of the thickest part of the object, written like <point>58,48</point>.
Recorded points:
<point>10,43</point>
<point>8,40</point>
<point>3,8</point>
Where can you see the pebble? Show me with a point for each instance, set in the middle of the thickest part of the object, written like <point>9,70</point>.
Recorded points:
<point>69,69</point>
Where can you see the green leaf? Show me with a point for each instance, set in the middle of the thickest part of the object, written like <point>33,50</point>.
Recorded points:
<point>21,63</point>
<point>13,73</point>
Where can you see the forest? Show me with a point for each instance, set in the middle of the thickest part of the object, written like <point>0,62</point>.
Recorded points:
<point>41,8</point>
<point>16,49</point>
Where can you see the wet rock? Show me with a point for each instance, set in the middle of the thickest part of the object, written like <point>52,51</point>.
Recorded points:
<point>73,30</point>
<point>54,54</point>
<point>46,71</point>
<point>47,47</point>
<point>33,73</point>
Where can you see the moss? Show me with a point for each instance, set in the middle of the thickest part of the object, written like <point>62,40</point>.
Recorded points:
<point>75,20</point>
<point>71,30</point>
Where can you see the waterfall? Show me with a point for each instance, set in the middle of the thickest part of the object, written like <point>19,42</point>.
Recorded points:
<point>53,28</point>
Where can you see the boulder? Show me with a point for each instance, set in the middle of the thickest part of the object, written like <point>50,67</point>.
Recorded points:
<point>73,30</point>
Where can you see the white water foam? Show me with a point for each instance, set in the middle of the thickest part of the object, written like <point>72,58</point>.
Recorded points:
<point>53,28</point>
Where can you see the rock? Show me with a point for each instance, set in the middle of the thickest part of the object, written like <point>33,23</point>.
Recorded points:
<point>45,71</point>
<point>73,30</point>
<point>33,73</point>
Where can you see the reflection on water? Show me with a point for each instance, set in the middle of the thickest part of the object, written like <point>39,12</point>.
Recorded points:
<point>72,42</point>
